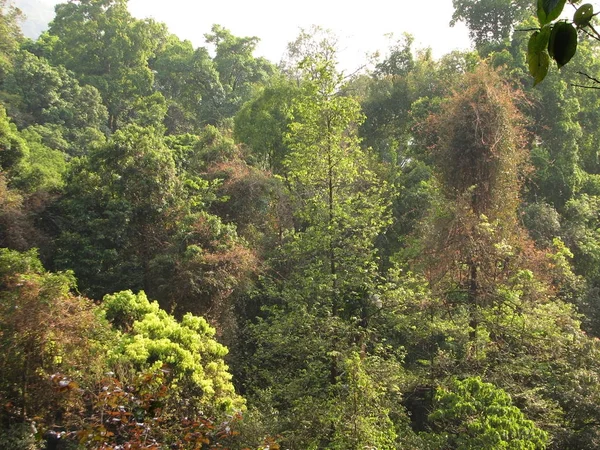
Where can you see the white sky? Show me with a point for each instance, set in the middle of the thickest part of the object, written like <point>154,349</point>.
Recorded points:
<point>360,26</point>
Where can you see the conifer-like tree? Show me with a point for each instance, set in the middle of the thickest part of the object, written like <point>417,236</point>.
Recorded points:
<point>325,279</point>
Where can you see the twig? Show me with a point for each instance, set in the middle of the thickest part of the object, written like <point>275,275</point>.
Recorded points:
<point>589,77</point>
<point>585,87</point>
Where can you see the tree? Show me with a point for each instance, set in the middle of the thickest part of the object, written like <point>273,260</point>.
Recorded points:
<point>238,70</point>
<point>69,376</point>
<point>492,291</point>
<point>106,47</point>
<point>389,99</point>
<point>53,345</point>
<point>127,191</point>
<point>318,297</point>
<point>490,21</point>
<point>204,269</point>
<point>43,168</point>
<point>189,80</point>
<point>16,229</point>
<point>339,204</point>
<point>186,348</point>
<point>405,88</point>
<point>476,415</point>
<point>479,151</point>
<point>261,124</point>
<point>555,154</point>
<point>45,94</point>
<point>314,44</point>
<point>13,149</point>
<point>30,173</point>
<point>10,33</point>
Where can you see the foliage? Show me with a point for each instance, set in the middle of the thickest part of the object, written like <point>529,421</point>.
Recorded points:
<point>44,167</point>
<point>238,69</point>
<point>364,421</point>
<point>12,147</point>
<point>51,341</point>
<point>339,205</point>
<point>490,21</point>
<point>11,35</point>
<point>481,146</point>
<point>189,81</point>
<point>104,45</point>
<point>154,339</point>
<point>356,241</point>
<point>144,413</point>
<point>261,124</point>
<point>126,192</point>
<point>474,415</point>
<point>15,229</point>
<point>206,266</point>
<point>473,238</point>
<point>557,39</point>
<point>51,95</point>
<point>318,297</point>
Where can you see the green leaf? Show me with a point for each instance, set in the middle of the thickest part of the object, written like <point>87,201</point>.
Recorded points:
<point>538,42</point>
<point>549,10</point>
<point>563,43</point>
<point>583,15</point>
<point>537,56</point>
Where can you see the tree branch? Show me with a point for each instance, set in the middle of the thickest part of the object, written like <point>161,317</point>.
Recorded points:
<point>589,77</point>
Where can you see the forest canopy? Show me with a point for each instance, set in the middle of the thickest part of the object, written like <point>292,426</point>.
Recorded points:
<point>204,249</point>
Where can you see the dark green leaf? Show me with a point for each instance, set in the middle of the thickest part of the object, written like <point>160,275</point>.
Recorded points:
<point>583,15</point>
<point>563,43</point>
<point>549,10</point>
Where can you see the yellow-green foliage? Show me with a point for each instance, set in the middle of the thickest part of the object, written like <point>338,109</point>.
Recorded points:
<point>153,338</point>
<point>477,415</point>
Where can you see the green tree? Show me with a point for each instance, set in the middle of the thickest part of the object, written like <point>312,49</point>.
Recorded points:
<point>490,21</point>
<point>474,415</point>
<point>30,171</point>
<point>261,124</point>
<point>118,212</point>
<point>189,80</point>
<point>238,70</point>
<point>313,45</point>
<point>107,48</point>
<point>319,296</point>
<point>42,94</point>
<point>53,344</point>
<point>13,149</point>
<point>153,339</point>
<point>43,168</point>
<point>10,33</point>
<point>555,154</point>
<point>501,291</point>
<point>131,218</point>
<point>339,204</point>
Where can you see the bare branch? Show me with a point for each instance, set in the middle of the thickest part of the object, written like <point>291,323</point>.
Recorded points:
<point>585,87</point>
<point>589,77</point>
